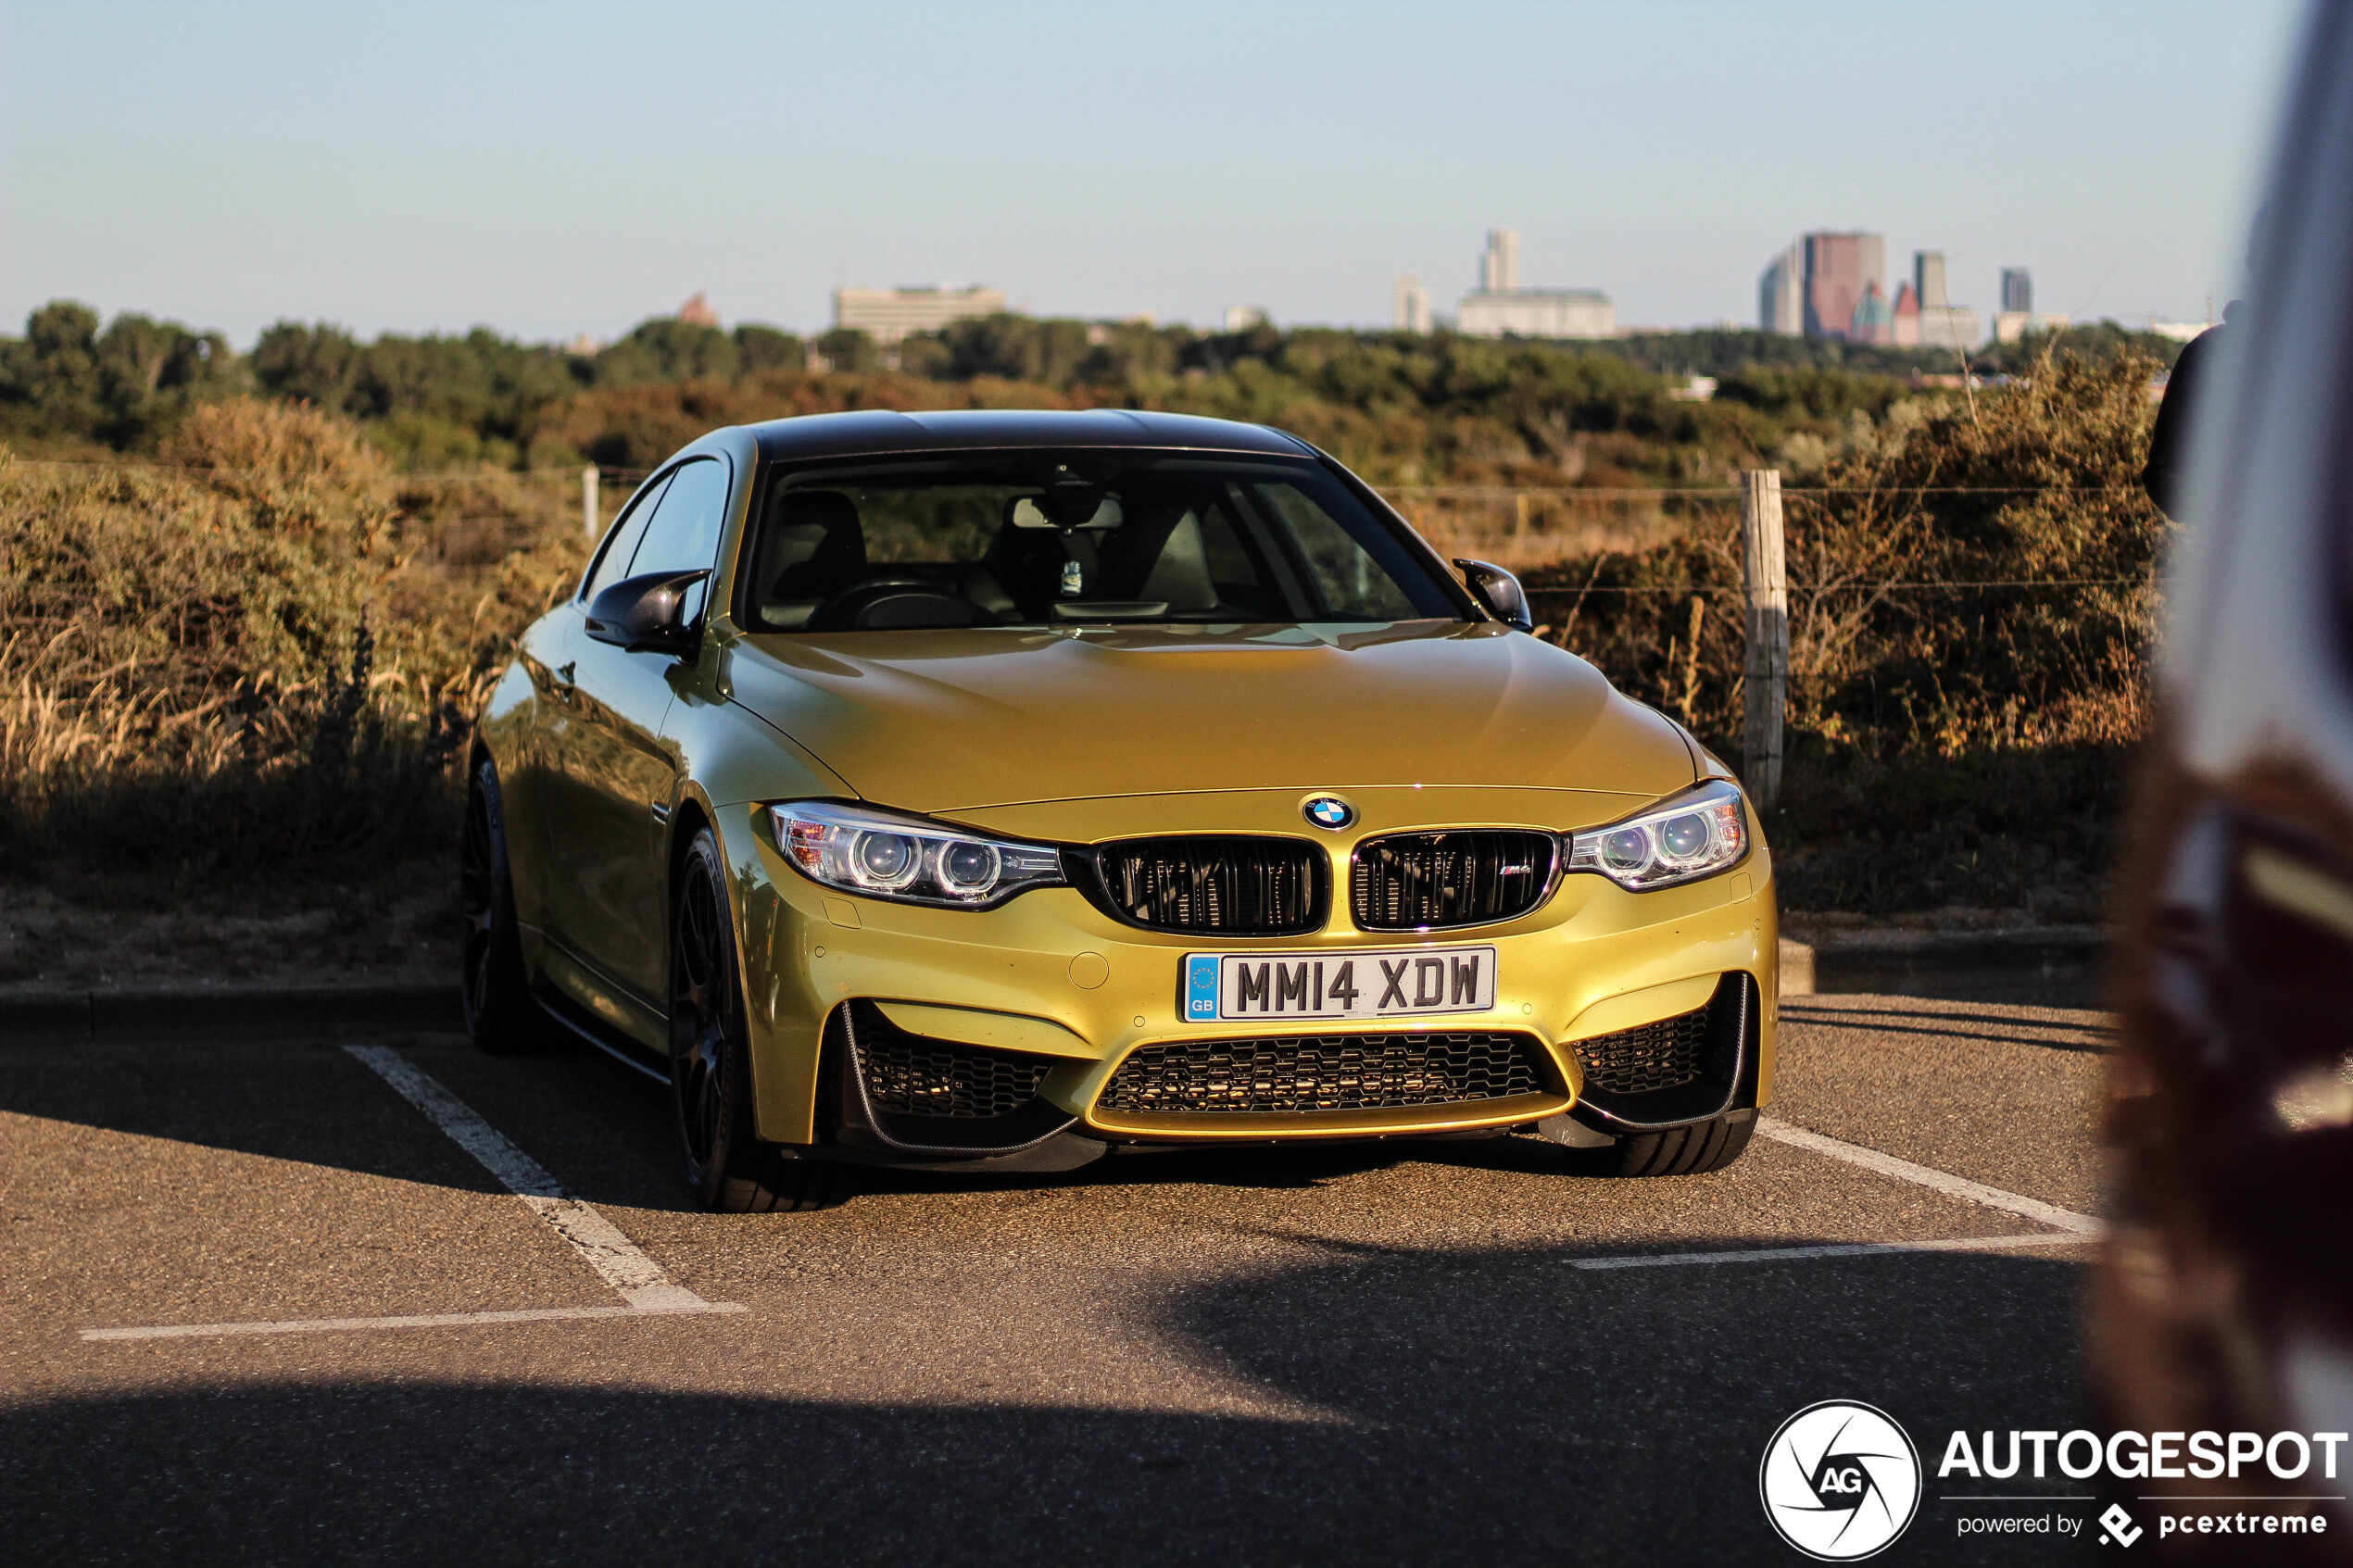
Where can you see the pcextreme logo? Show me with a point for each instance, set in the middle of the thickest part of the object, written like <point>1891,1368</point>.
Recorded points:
<point>1840,1481</point>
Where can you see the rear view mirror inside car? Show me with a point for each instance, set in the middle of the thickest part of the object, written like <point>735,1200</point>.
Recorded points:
<point>1025,512</point>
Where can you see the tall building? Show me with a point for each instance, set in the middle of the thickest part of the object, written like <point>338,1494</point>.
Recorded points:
<point>2018,316</point>
<point>696,312</point>
<point>1498,268</point>
<point>887,315</point>
<point>1838,270</point>
<point>1928,276</point>
<point>1413,306</point>
<point>1780,296</point>
<point>1924,318</point>
<point>1874,320</point>
<point>1500,308</point>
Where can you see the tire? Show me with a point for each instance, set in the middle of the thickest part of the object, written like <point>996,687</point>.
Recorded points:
<point>731,1171</point>
<point>1677,1151</point>
<point>501,1014</point>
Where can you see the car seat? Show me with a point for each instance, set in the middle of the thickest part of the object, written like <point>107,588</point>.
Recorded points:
<point>814,547</point>
<point>1160,558</point>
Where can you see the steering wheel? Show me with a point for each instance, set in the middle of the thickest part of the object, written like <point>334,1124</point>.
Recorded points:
<point>887,601</point>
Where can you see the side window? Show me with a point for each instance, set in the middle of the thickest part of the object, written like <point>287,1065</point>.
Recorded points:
<point>614,565</point>
<point>684,535</point>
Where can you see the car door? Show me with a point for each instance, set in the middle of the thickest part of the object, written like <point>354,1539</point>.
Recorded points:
<point>616,774</point>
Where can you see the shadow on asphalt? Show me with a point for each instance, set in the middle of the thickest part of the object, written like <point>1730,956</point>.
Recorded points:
<point>1458,1407</point>
<point>607,1133</point>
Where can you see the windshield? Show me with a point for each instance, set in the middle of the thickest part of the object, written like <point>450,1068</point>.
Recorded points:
<point>1040,538</point>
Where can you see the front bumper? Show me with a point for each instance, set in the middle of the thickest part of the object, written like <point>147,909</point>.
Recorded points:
<point>1050,976</point>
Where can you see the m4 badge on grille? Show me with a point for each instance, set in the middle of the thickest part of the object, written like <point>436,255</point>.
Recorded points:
<point>1355,983</point>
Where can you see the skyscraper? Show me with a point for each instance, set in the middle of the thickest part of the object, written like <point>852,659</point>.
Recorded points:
<point>1931,322</point>
<point>1499,268</point>
<point>1838,269</point>
<point>2018,290</point>
<point>1873,321</point>
<point>1500,308</point>
<point>1779,293</point>
<point>1413,306</point>
<point>1927,277</point>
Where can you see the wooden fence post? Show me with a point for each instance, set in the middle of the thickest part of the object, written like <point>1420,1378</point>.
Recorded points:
<point>588,518</point>
<point>1765,573</point>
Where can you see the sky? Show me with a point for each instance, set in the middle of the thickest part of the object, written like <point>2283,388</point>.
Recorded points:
<point>550,170</point>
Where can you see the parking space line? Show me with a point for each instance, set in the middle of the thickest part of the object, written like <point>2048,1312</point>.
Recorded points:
<point>1834,1249</point>
<point>1938,1181</point>
<point>433,1319</point>
<point>616,1259</point>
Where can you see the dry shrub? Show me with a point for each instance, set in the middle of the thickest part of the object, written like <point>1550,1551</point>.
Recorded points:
<point>1955,738</point>
<point>227,666</point>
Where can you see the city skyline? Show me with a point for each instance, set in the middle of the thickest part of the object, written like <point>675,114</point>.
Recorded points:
<point>550,172</point>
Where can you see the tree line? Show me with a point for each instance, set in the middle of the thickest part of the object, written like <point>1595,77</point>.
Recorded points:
<point>1407,408</point>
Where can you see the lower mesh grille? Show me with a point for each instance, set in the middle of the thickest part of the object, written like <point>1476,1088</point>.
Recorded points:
<point>1665,1055</point>
<point>914,1075</point>
<point>1417,881</point>
<point>1230,885</point>
<point>1323,1072</point>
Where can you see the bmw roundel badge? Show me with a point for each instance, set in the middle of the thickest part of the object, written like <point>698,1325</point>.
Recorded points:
<point>1330,812</point>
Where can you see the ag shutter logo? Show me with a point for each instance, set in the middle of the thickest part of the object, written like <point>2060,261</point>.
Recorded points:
<point>1840,1481</point>
<point>1328,811</point>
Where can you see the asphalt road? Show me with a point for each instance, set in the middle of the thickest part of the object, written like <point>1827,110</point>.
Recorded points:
<point>1376,1354</point>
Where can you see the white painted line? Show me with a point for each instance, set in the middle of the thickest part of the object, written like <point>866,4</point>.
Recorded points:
<point>1837,1249</point>
<point>518,1172</point>
<point>598,1241</point>
<point>616,1259</point>
<point>1951,1186</point>
<point>435,1320</point>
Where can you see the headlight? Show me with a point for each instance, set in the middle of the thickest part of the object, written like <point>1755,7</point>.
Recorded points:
<point>1696,835</point>
<point>884,855</point>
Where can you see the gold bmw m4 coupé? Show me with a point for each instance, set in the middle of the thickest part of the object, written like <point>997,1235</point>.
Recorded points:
<point>997,791</point>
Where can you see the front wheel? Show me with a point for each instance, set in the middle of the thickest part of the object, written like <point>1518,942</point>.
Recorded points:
<point>1675,1151</point>
<point>729,1168</point>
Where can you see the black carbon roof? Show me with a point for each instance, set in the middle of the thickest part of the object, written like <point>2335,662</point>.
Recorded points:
<point>879,430</point>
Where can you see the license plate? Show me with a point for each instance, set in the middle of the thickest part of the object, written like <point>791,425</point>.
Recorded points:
<point>1356,983</point>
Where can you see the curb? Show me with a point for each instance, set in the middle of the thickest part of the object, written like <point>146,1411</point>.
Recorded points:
<point>1864,960</point>
<point>58,1017</point>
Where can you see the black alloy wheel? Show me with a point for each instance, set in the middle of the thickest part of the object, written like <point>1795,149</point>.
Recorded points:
<point>729,1166</point>
<point>501,1014</point>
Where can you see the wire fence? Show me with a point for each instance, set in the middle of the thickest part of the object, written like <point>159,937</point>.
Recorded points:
<point>474,517</point>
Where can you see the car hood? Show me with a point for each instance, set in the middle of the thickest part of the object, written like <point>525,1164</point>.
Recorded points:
<point>943,720</point>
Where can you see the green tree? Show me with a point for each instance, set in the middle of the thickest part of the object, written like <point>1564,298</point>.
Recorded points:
<point>846,348</point>
<point>318,365</point>
<point>666,349</point>
<point>767,348</point>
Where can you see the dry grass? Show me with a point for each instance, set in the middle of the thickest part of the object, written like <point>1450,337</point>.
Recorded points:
<point>235,663</point>
<point>256,668</point>
<point>1972,615</point>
